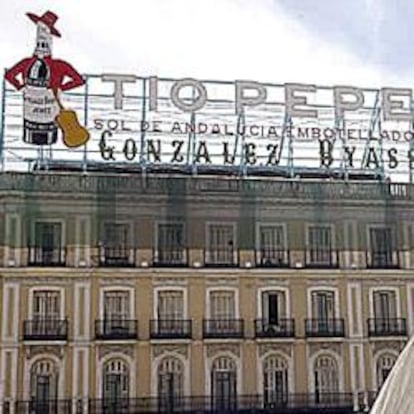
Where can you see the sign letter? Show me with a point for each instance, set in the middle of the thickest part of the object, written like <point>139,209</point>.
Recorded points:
<point>119,81</point>
<point>243,100</point>
<point>293,101</point>
<point>342,105</point>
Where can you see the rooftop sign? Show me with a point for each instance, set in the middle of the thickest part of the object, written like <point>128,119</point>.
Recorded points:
<point>242,124</point>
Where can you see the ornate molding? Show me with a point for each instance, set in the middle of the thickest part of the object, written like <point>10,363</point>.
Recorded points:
<point>325,346</point>
<point>32,351</point>
<point>322,282</point>
<point>394,345</point>
<point>233,281</point>
<point>215,349</point>
<point>168,281</point>
<point>285,349</point>
<point>127,280</point>
<point>126,349</point>
<point>181,349</point>
<point>272,282</point>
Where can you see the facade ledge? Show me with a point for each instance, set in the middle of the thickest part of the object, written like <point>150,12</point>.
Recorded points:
<point>185,341</point>
<point>31,342</point>
<point>276,339</point>
<point>221,340</point>
<point>326,339</point>
<point>388,338</point>
<point>115,341</point>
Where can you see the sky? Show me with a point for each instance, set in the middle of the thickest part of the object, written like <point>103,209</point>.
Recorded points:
<point>352,42</point>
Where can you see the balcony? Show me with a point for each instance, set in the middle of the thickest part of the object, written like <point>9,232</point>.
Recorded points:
<point>387,327</point>
<point>223,328</point>
<point>325,327</point>
<point>171,328</point>
<point>338,403</point>
<point>119,256</point>
<point>273,258</point>
<point>321,259</point>
<point>174,257</point>
<point>116,329</point>
<point>45,330</point>
<point>44,406</point>
<point>220,258</point>
<point>46,256</point>
<point>283,328</point>
<point>382,260</point>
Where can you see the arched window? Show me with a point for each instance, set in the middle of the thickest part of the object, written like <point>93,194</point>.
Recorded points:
<point>223,383</point>
<point>115,380</point>
<point>275,380</point>
<point>326,377</point>
<point>44,378</point>
<point>170,375</point>
<point>384,365</point>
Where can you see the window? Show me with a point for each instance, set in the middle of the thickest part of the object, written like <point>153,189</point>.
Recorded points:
<point>223,383</point>
<point>170,314</point>
<point>381,248</point>
<point>115,383</point>
<point>385,321</point>
<point>384,367</point>
<point>46,305</point>
<point>116,316</point>
<point>116,305</point>
<point>43,382</point>
<point>275,380</point>
<point>222,322</point>
<point>170,382</point>
<point>170,245</point>
<point>320,247</point>
<point>222,305</point>
<point>323,322</point>
<point>326,380</point>
<point>220,246</point>
<point>272,249</point>
<point>385,304</point>
<point>170,304</point>
<point>323,305</point>
<point>47,248</point>
<point>115,249</point>
<point>273,306</point>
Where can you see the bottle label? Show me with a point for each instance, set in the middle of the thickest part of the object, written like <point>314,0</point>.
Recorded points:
<point>40,105</point>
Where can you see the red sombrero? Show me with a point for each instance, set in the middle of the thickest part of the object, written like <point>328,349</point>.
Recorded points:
<point>49,19</point>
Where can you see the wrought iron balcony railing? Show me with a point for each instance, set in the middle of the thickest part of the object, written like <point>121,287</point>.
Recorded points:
<point>44,406</point>
<point>45,330</point>
<point>171,328</point>
<point>321,258</point>
<point>325,327</point>
<point>223,328</point>
<point>317,403</point>
<point>366,400</point>
<point>387,327</point>
<point>382,259</point>
<point>46,256</point>
<point>225,257</point>
<point>170,257</point>
<point>282,328</point>
<point>116,256</point>
<point>273,258</point>
<point>111,329</point>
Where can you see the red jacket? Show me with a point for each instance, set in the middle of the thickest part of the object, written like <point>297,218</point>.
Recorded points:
<point>59,70</point>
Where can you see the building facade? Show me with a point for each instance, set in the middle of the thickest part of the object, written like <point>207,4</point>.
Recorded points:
<point>127,293</point>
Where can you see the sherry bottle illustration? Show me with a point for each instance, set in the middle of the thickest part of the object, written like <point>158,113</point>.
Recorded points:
<point>41,77</point>
<point>40,109</point>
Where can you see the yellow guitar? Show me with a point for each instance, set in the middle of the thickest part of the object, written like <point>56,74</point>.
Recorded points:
<point>74,134</point>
